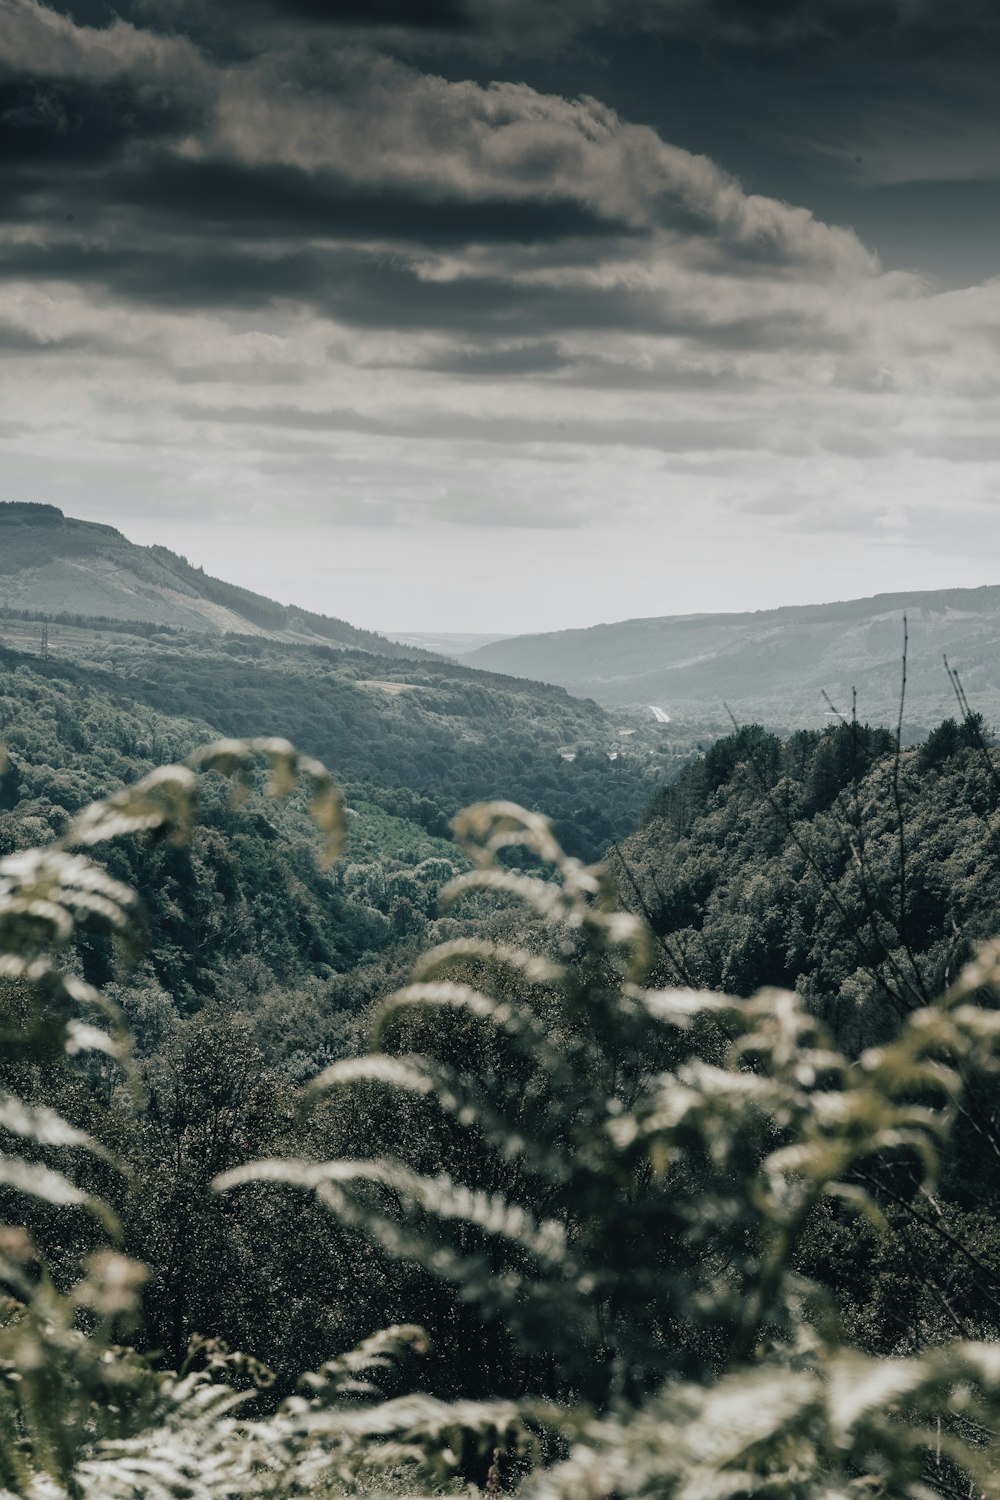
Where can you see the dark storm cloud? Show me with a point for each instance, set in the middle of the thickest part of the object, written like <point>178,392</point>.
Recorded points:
<point>184,277</point>
<point>904,26</point>
<point>70,123</point>
<point>491,26</point>
<point>415,15</point>
<point>166,164</point>
<point>252,201</point>
<point>380,292</point>
<point>907,27</point>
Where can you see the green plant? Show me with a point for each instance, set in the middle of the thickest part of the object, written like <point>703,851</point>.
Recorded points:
<point>640,1169</point>
<point>66,1386</point>
<point>615,1178</point>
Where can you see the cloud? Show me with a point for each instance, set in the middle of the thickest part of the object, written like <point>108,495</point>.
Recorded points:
<point>305,275</point>
<point>252,201</point>
<point>490,28</point>
<point>371,145</point>
<point>888,26</point>
<point>374,194</point>
<point>17,340</point>
<point>71,124</point>
<point>373,291</point>
<point>38,42</point>
<point>506,430</point>
<point>538,27</point>
<point>385,125</point>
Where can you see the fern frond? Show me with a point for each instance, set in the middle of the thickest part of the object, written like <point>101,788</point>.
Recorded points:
<point>46,1127</point>
<point>548,899</point>
<point>440,1197</point>
<point>532,967</point>
<point>46,893</point>
<point>485,828</point>
<point>681,1008</point>
<point>235,759</point>
<point>458,1098</point>
<point>514,1020</point>
<point>52,1187</point>
<point>163,799</point>
<point>380,1351</point>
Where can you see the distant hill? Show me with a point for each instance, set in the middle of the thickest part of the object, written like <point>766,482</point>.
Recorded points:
<point>774,665</point>
<point>52,565</point>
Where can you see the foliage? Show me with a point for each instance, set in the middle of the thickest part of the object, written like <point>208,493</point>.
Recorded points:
<point>796,862</point>
<point>242,908</point>
<point>615,1180</point>
<point>863,879</point>
<point>419,738</point>
<point>66,1387</point>
<point>642,1251</point>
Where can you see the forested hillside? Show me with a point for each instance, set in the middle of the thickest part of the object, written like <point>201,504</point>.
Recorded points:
<point>863,879</point>
<point>775,665</point>
<point>421,738</point>
<point>630,1239</point>
<point>826,863</point>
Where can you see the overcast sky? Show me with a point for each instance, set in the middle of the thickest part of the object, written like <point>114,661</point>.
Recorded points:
<point>510,314</point>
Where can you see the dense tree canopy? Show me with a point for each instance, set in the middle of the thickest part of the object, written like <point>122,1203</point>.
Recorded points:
<point>614,1192</point>
<point>632,1196</point>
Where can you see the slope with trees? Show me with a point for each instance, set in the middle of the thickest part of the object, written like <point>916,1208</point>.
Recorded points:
<point>618,1183</point>
<point>419,738</point>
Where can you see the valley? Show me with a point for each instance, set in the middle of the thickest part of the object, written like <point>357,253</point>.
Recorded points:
<point>856,871</point>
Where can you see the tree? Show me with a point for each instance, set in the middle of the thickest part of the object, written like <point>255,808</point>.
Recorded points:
<point>643,1166</point>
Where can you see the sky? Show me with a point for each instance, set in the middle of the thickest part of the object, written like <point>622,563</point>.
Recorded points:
<point>508,315</point>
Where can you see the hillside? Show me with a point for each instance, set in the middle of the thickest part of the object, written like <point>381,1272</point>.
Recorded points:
<point>774,665</point>
<point>52,565</point>
<point>420,738</point>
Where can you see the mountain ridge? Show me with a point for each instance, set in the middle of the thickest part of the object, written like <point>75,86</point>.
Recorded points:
<point>780,665</point>
<point>55,565</point>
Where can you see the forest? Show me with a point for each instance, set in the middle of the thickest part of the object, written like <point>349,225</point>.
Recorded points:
<point>358,1139</point>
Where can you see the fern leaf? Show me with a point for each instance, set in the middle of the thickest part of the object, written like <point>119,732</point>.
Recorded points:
<point>52,1187</point>
<point>440,1197</point>
<point>486,828</point>
<point>516,1021</point>
<point>163,799</point>
<point>532,967</point>
<point>44,1126</point>
<point>466,1105</point>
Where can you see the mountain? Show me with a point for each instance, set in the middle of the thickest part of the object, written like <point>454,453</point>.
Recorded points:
<point>775,665</point>
<point>56,567</point>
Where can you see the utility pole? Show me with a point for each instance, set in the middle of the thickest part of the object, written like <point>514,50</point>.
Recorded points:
<point>45,641</point>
